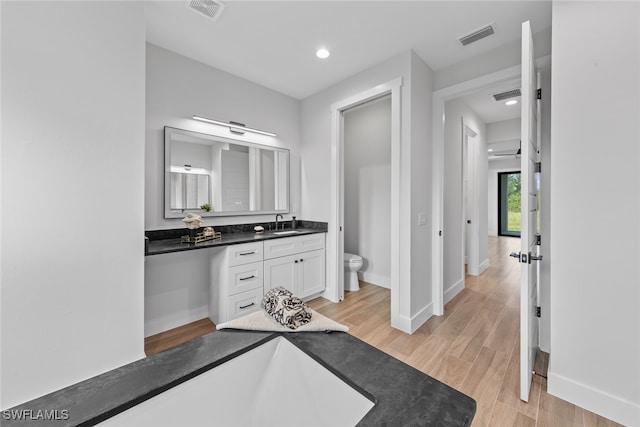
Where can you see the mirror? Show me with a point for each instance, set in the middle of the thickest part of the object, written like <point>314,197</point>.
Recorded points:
<point>216,176</point>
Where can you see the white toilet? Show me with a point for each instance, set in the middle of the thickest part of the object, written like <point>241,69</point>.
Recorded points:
<point>352,264</point>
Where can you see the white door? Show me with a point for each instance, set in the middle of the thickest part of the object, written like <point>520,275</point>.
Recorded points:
<point>529,210</point>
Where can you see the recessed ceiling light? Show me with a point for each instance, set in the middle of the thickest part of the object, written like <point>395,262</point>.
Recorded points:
<point>511,102</point>
<point>322,53</point>
<point>490,149</point>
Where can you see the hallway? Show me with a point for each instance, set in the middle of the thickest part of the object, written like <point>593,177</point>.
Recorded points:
<point>474,346</point>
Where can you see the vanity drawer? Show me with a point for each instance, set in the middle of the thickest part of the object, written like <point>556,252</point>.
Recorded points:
<point>244,253</point>
<point>292,245</point>
<point>245,277</point>
<point>244,303</point>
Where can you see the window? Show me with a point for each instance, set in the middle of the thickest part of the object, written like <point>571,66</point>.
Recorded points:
<point>509,204</point>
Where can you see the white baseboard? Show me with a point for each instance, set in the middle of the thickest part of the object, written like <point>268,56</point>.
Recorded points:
<point>410,324</point>
<point>594,400</point>
<point>155,326</point>
<point>452,291</point>
<point>483,266</point>
<point>375,279</point>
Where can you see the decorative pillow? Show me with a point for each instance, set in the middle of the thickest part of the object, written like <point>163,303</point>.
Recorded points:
<point>285,308</point>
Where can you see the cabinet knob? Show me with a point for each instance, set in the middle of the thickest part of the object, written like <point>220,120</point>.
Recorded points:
<point>296,261</point>
<point>301,260</point>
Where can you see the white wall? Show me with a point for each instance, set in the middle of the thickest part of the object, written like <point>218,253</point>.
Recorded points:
<point>455,112</point>
<point>421,189</point>
<point>505,130</point>
<point>72,192</point>
<point>414,254</point>
<point>367,188</point>
<point>177,88</point>
<point>498,59</point>
<point>595,292</point>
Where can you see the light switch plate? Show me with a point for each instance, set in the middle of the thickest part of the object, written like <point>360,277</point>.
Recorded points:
<point>422,218</point>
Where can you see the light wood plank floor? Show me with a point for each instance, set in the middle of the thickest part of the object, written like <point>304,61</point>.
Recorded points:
<point>473,347</point>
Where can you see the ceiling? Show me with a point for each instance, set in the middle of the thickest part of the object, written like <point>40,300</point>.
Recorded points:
<point>273,43</point>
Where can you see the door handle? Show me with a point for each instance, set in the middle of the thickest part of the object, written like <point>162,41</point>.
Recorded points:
<point>519,256</point>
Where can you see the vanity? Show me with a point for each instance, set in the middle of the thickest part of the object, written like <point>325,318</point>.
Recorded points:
<point>244,265</point>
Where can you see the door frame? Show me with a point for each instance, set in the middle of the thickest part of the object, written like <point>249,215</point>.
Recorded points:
<point>499,207</point>
<point>439,98</point>
<point>335,235</point>
<point>470,211</point>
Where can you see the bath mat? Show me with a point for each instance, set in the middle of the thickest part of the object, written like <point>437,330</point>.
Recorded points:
<point>261,321</point>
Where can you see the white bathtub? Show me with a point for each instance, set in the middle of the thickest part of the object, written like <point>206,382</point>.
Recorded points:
<point>275,384</point>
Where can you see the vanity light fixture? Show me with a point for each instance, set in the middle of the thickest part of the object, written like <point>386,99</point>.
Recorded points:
<point>234,127</point>
<point>511,102</point>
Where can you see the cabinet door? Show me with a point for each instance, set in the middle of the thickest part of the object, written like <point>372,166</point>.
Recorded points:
<point>283,272</point>
<point>311,273</point>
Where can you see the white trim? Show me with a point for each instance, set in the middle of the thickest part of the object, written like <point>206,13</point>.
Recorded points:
<point>439,98</point>
<point>375,279</point>
<point>174,320</point>
<point>472,238</point>
<point>335,237</point>
<point>453,291</point>
<point>483,266</point>
<point>410,324</point>
<point>609,406</point>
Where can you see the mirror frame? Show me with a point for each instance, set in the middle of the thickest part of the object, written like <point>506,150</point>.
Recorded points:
<point>171,213</point>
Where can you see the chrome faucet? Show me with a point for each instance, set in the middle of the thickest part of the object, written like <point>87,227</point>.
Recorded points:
<point>279,215</point>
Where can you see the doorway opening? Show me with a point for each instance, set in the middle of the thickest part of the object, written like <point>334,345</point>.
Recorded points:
<point>335,236</point>
<point>509,198</point>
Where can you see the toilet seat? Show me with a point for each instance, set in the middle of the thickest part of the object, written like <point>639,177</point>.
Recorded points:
<point>351,258</point>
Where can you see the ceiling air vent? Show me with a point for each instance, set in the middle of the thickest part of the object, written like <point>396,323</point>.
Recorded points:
<point>479,34</point>
<point>209,8</point>
<point>506,95</point>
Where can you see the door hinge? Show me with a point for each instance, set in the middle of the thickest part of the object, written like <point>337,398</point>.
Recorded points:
<point>538,167</point>
<point>539,93</point>
<point>538,312</point>
<point>538,240</point>
<point>440,233</point>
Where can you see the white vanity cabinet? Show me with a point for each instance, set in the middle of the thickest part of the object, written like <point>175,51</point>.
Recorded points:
<point>237,273</point>
<point>295,263</point>
<point>241,274</point>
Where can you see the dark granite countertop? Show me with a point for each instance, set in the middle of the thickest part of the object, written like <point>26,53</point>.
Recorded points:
<point>167,241</point>
<point>403,395</point>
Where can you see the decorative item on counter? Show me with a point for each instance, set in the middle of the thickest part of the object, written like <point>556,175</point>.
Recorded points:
<point>193,222</point>
<point>206,207</point>
<point>258,229</point>
<point>294,223</point>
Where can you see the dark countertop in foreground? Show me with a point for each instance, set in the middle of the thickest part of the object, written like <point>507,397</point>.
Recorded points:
<point>174,245</point>
<point>403,395</point>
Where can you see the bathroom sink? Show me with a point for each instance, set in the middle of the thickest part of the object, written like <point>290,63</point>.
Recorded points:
<point>281,233</point>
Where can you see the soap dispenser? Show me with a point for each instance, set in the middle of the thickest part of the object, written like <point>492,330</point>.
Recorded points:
<point>294,223</point>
